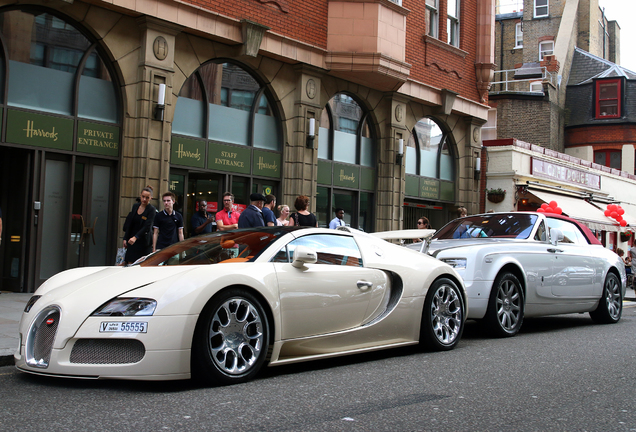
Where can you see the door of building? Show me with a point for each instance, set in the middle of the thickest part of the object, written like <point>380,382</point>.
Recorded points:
<point>75,215</point>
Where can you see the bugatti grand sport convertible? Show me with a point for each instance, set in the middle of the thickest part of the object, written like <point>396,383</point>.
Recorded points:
<point>220,306</point>
<point>530,264</point>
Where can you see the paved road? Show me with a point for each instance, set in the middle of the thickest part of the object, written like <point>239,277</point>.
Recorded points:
<point>559,374</point>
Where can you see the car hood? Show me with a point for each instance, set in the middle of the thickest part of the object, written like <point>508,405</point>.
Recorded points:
<point>440,245</point>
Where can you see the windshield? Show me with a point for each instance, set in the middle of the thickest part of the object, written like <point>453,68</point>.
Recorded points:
<point>242,245</point>
<point>509,225</point>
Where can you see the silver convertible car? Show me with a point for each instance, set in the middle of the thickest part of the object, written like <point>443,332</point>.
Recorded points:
<point>526,264</point>
<point>220,306</point>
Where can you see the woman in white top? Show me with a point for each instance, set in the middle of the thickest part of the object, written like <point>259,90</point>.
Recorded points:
<point>283,211</point>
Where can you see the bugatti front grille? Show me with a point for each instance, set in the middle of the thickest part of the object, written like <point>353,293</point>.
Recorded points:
<point>107,351</point>
<point>39,342</point>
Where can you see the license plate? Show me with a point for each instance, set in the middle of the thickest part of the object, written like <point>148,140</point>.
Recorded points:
<point>123,327</point>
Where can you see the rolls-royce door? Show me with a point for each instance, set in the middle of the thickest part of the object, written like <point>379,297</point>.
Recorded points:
<point>336,293</point>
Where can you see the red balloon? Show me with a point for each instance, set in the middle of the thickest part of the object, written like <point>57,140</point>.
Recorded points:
<point>614,214</point>
<point>623,223</point>
<point>558,210</point>
<point>619,218</point>
<point>621,211</point>
<point>611,207</point>
<point>544,206</point>
<point>540,210</point>
<point>553,204</point>
<point>607,213</point>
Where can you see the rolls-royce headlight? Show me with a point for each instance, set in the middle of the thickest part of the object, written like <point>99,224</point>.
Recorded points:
<point>127,307</point>
<point>456,263</point>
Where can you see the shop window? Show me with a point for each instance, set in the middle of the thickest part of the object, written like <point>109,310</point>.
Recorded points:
<point>546,48</point>
<point>608,99</point>
<point>452,22</point>
<point>428,153</point>
<point>221,94</point>
<point>518,35</point>
<point>541,8</point>
<point>432,18</point>
<point>608,158</point>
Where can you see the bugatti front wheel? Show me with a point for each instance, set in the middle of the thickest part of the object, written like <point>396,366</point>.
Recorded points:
<point>443,317</point>
<point>231,339</point>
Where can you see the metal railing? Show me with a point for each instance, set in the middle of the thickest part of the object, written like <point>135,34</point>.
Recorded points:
<point>508,83</point>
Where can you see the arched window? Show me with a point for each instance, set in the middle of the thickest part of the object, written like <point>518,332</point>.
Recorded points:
<point>57,69</point>
<point>222,102</point>
<point>428,153</point>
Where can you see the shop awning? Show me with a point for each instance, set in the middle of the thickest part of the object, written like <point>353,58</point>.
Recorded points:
<point>591,216</point>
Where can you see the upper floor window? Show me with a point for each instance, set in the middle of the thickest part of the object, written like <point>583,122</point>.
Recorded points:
<point>432,18</point>
<point>540,8</point>
<point>452,23</point>
<point>428,152</point>
<point>519,36</point>
<point>545,48</point>
<point>608,158</point>
<point>608,98</point>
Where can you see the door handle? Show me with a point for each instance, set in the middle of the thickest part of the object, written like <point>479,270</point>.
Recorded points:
<point>553,250</point>
<point>89,230</point>
<point>364,284</point>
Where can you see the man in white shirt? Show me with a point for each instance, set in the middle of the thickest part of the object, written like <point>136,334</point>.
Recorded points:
<point>338,220</point>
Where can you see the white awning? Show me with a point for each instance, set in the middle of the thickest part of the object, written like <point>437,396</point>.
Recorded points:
<point>590,215</point>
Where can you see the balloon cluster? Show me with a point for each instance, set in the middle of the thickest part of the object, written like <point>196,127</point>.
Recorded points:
<point>616,212</point>
<point>550,208</point>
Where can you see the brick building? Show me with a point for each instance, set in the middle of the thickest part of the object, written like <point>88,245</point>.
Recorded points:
<point>375,106</point>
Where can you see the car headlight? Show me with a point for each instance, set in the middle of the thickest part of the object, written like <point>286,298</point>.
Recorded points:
<point>456,263</point>
<point>30,303</point>
<point>127,307</point>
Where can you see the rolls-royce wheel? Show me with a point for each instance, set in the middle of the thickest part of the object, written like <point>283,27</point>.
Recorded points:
<point>443,317</point>
<point>610,306</point>
<point>231,339</point>
<point>505,306</point>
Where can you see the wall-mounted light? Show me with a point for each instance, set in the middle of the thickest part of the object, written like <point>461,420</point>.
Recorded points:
<point>477,168</point>
<point>161,102</point>
<point>400,152</point>
<point>311,136</point>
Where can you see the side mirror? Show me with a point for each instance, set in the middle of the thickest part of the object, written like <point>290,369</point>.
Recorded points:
<point>304,255</point>
<point>556,236</point>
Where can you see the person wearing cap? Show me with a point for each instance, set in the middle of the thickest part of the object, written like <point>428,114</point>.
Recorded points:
<point>252,216</point>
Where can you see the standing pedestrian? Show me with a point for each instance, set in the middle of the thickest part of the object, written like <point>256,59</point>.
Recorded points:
<point>227,219</point>
<point>201,220</point>
<point>138,237</point>
<point>303,217</point>
<point>168,226</point>
<point>252,216</point>
<point>268,210</point>
<point>282,220</point>
<point>338,220</point>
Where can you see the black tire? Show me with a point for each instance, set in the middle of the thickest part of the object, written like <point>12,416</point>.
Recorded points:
<point>610,306</point>
<point>443,316</point>
<point>231,339</point>
<point>505,306</point>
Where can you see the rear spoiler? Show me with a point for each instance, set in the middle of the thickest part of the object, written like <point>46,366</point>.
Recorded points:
<point>426,235</point>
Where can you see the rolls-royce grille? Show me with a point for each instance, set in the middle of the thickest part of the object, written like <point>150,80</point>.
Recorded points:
<point>107,351</point>
<point>41,336</point>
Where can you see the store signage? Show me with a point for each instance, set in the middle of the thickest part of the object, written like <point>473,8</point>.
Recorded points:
<point>229,158</point>
<point>346,176</point>
<point>39,130</point>
<point>429,188</point>
<point>97,139</point>
<point>266,164</point>
<point>560,173</point>
<point>187,152</point>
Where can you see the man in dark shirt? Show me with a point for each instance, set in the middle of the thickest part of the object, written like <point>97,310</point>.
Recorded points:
<point>168,224</point>
<point>202,221</point>
<point>268,210</point>
<point>252,216</point>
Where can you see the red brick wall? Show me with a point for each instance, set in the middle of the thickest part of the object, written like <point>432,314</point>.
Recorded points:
<point>616,134</point>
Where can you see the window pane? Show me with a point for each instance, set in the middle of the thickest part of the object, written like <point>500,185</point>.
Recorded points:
<point>615,160</point>
<point>608,90</point>
<point>189,113</point>
<point>608,108</point>
<point>97,99</point>
<point>599,158</point>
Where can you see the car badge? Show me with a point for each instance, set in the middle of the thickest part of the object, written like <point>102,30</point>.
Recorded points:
<point>50,321</point>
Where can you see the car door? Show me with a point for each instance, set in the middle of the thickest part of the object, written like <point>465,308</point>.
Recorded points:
<point>331,295</point>
<point>575,271</point>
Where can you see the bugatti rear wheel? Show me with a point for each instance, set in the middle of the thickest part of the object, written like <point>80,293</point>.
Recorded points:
<point>231,339</point>
<point>443,317</point>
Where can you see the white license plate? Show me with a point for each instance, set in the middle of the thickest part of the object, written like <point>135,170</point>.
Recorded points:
<point>125,327</point>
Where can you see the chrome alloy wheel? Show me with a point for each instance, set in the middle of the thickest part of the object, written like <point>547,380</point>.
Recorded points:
<point>508,304</point>
<point>613,298</point>
<point>446,314</point>
<point>236,336</point>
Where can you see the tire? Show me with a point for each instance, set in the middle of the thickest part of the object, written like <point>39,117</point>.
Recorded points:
<point>443,317</point>
<point>505,306</point>
<point>231,339</point>
<point>610,306</point>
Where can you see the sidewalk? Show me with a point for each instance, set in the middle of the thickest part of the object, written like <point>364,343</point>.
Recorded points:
<point>12,305</point>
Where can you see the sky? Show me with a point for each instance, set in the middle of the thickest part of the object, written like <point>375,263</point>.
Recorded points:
<point>624,11</point>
